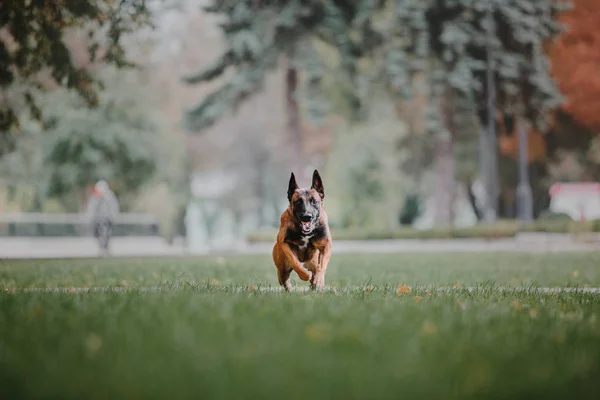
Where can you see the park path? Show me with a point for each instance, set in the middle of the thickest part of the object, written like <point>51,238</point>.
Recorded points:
<point>84,247</point>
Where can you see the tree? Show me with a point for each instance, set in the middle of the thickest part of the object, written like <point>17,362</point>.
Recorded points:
<point>445,41</point>
<point>121,141</point>
<point>258,35</point>
<point>34,55</point>
<point>576,63</point>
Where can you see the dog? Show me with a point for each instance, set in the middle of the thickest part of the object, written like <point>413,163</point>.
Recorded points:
<point>304,241</point>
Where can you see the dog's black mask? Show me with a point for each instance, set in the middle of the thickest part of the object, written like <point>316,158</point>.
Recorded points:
<point>306,203</point>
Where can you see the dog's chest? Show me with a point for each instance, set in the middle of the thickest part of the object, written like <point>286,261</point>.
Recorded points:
<point>304,241</point>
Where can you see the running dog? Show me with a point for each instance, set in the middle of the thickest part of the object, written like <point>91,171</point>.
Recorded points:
<point>304,240</point>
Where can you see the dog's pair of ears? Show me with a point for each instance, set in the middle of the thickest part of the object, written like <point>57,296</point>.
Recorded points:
<point>317,184</point>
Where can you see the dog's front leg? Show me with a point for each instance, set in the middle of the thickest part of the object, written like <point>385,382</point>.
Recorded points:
<point>286,259</point>
<point>318,279</point>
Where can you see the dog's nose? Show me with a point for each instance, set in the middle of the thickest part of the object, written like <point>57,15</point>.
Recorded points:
<point>306,218</point>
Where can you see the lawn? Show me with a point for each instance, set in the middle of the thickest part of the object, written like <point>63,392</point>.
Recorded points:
<point>211,328</point>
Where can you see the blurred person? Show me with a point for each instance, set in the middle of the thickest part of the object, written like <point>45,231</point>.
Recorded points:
<point>103,209</point>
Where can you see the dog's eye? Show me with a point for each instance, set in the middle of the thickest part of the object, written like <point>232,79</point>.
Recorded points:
<point>315,201</point>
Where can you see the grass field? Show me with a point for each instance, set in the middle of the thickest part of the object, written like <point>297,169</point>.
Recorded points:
<point>207,329</point>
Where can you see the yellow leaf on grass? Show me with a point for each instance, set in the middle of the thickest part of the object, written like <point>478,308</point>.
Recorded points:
<point>516,304</point>
<point>93,342</point>
<point>429,328</point>
<point>316,332</point>
<point>533,313</point>
<point>403,289</point>
<point>418,299</point>
<point>575,274</point>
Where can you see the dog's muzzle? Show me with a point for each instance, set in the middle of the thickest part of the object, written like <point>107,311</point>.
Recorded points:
<point>306,223</point>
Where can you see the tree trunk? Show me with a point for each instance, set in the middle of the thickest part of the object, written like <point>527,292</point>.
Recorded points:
<point>445,182</point>
<point>444,163</point>
<point>473,200</point>
<point>294,129</point>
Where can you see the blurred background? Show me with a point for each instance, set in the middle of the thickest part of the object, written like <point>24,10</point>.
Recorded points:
<point>427,119</point>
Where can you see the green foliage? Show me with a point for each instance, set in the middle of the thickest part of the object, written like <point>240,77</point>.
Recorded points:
<point>122,140</point>
<point>497,230</point>
<point>445,39</point>
<point>33,43</point>
<point>363,184</point>
<point>257,35</point>
<point>411,211</point>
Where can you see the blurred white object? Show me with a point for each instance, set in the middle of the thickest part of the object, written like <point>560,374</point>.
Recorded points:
<point>581,200</point>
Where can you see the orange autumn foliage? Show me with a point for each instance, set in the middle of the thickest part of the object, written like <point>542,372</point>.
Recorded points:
<point>508,143</point>
<point>536,146</point>
<point>575,61</point>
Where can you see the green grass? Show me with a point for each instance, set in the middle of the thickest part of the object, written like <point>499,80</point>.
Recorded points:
<point>210,332</point>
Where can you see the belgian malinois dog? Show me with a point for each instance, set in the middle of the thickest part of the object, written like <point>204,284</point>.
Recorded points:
<point>304,241</point>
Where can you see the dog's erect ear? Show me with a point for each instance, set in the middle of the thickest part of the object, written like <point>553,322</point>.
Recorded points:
<point>292,186</point>
<point>317,184</point>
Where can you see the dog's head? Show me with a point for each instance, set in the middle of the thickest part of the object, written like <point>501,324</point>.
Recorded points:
<point>306,203</point>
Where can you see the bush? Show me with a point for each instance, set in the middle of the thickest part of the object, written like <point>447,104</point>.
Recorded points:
<point>548,215</point>
<point>411,210</point>
<point>496,230</point>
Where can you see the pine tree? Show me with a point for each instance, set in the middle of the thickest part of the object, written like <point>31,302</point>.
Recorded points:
<point>391,41</point>
<point>259,35</point>
<point>447,40</point>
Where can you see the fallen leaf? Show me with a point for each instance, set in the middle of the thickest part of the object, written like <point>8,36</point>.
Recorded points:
<point>214,282</point>
<point>516,304</point>
<point>403,289</point>
<point>93,342</point>
<point>429,328</point>
<point>418,299</point>
<point>35,312</point>
<point>428,292</point>
<point>316,333</point>
<point>575,274</point>
<point>533,313</point>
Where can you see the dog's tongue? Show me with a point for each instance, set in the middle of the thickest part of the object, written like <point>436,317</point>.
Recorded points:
<point>305,225</point>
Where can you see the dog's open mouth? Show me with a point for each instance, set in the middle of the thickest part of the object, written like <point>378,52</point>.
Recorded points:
<point>306,226</point>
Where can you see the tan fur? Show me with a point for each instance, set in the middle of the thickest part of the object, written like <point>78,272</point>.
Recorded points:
<point>308,257</point>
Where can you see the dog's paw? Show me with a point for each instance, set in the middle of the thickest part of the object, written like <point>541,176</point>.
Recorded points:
<point>318,282</point>
<point>305,275</point>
